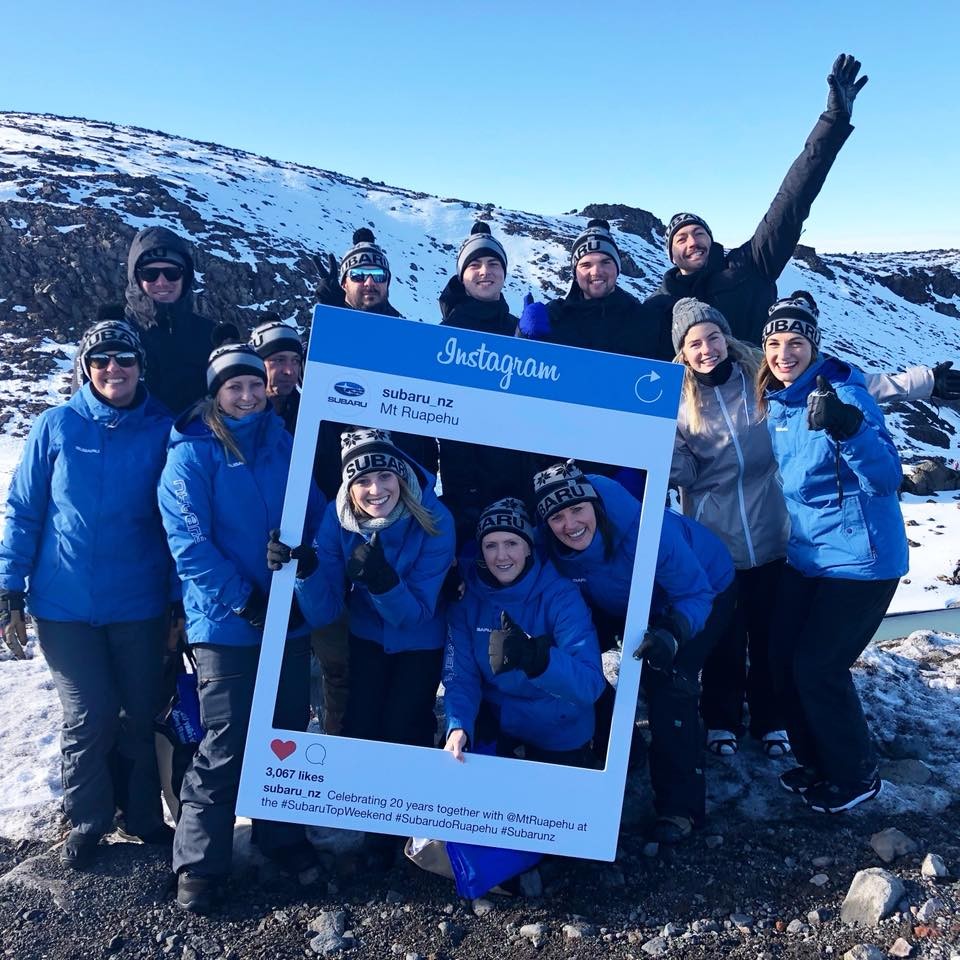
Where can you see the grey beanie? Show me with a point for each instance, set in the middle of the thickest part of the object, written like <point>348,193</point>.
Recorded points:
<point>596,238</point>
<point>688,312</point>
<point>480,243</point>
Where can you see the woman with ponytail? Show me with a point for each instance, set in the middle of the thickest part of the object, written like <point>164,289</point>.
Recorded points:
<point>840,473</point>
<point>221,493</point>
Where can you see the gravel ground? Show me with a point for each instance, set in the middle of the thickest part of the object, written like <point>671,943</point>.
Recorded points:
<point>767,876</point>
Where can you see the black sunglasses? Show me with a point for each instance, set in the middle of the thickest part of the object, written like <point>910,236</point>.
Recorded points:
<point>100,361</point>
<point>376,274</point>
<point>152,274</point>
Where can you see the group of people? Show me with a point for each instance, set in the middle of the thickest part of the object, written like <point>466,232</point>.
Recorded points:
<point>146,509</point>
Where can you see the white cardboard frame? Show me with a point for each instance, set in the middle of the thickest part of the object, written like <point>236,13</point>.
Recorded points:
<point>498,391</point>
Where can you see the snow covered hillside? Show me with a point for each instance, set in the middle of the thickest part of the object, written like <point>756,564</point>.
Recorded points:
<point>73,191</point>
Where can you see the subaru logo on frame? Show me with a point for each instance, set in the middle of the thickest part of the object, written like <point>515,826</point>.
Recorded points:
<point>347,388</point>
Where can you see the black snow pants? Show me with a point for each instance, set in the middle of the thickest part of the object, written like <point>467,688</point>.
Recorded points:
<point>226,676</point>
<point>673,703</point>
<point>727,677</point>
<point>824,624</point>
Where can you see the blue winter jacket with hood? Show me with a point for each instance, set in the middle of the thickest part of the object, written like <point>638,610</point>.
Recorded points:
<point>680,584</point>
<point>845,519</point>
<point>83,534</point>
<point>218,512</point>
<point>553,711</point>
<point>408,616</point>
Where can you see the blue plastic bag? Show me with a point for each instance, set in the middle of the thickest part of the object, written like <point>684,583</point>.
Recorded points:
<point>477,869</point>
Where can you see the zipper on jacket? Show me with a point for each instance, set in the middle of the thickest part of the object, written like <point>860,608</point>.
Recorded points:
<point>736,446</point>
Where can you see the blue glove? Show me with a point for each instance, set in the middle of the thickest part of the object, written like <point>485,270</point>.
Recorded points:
<point>534,321</point>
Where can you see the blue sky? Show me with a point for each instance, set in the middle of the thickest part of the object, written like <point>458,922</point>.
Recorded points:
<point>536,106</point>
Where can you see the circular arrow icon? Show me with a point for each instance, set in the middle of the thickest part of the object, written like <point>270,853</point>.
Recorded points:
<point>646,387</point>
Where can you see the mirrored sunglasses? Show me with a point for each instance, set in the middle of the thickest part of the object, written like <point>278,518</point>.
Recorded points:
<point>376,274</point>
<point>100,361</point>
<point>152,274</point>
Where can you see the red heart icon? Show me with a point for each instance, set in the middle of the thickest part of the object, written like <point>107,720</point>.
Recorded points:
<point>283,748</point>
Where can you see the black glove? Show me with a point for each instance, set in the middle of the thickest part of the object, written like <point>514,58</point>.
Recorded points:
<point>453,584</point>
<point>826,411</point>
<point>369,566</point>
<point>658,648</point>
<point>946,381</point>
<point>329,291</point>
<point>844,85</point>
<point>254,611</point>
<point>278,554</point>
<point>511,648</point>
<point>10,600</point>
<point>12,626</point>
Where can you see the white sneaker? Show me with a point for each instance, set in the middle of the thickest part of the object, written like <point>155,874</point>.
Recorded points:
<point>722,742</point>
<point>776,744</point>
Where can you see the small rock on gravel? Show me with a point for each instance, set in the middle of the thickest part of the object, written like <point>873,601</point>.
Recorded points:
<point>821,862</point>
<point>819,879</point>
<point>933,867</point>
<point>873,895</point>
<point>713,841</point>
<point>328,927</point>
<point>795,926</point>
<point>577,930</point>
<point>891,843</point>
<point>533,931</point>
<point>818,916</point>
<point>930,909</point>
<point>481,907</point>
<point>656,947</point>
<point>901,948</point>
<point>864,951</point>
<point>651,849</point>
<point>451,931</point>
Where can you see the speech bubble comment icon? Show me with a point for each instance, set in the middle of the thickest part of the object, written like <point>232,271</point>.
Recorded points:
<point>316,753</point>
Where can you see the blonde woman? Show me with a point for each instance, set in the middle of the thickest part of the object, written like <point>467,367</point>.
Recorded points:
<point>384,548</point>
<point>221,493</point>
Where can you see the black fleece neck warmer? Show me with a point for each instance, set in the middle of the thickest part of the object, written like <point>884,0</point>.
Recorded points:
<point>718,376</point>
<point>461,310</point>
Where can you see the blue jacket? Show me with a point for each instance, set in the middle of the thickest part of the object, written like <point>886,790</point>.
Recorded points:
<point>218,513</point>
<point>409,616</point>
<point>680,584</point>
<point>845,519</point>
<point>553,711</point>
<point>707,547</point>
<point>83,533</point>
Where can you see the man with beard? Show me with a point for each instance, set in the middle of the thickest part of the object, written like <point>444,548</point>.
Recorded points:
<point>360,281</point>
<point>742,283</point>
